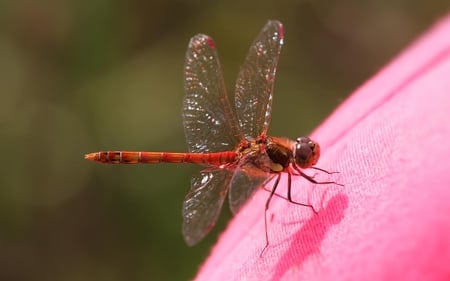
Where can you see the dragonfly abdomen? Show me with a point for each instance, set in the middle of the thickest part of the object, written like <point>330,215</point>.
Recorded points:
<point>138,157</point>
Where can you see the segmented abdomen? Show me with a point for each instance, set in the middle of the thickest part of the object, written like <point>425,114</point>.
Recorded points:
<point>137,157</point>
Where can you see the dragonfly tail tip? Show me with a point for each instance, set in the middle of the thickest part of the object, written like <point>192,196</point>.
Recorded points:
<point>90,156</point>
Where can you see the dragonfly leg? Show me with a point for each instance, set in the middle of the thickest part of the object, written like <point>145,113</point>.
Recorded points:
<point>297,174</point>
<point>323,170</point>
<point>275,194</point>
<point>311,179</point>
<point>272,192</point>
<point>289,196</point>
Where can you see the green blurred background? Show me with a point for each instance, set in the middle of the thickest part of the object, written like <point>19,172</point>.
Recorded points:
<point>82,76</point>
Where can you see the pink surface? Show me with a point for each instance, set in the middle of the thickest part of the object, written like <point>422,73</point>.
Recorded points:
<point>391,221</point>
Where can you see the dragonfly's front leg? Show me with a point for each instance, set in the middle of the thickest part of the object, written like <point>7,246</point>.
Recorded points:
<point>311,178</point>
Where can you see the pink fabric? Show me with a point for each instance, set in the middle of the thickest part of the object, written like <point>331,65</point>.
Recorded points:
<point>391,221</point>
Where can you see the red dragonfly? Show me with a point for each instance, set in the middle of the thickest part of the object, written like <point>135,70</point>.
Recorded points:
<point>233,145</point>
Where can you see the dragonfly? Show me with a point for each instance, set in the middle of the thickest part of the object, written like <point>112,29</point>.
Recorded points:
<point>233,146</point>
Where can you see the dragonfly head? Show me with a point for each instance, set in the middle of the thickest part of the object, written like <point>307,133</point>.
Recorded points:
<point>306,152</point>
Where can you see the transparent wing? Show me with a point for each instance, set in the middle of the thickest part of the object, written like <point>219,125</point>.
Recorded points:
<point>203,203</point>
<point>254,85</point>
<point>252,172</point>
<point>209,122</point>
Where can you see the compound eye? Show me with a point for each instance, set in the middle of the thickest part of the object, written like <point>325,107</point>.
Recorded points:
<point>307,152</point>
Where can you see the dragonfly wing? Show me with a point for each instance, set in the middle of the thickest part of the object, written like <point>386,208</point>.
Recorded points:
<point>254,85</point>
<point>203,203</point>
<point>252,172</point>
<point>210,124</point>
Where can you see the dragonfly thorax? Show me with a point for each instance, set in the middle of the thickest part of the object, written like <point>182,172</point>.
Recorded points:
<point>280,153</point>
